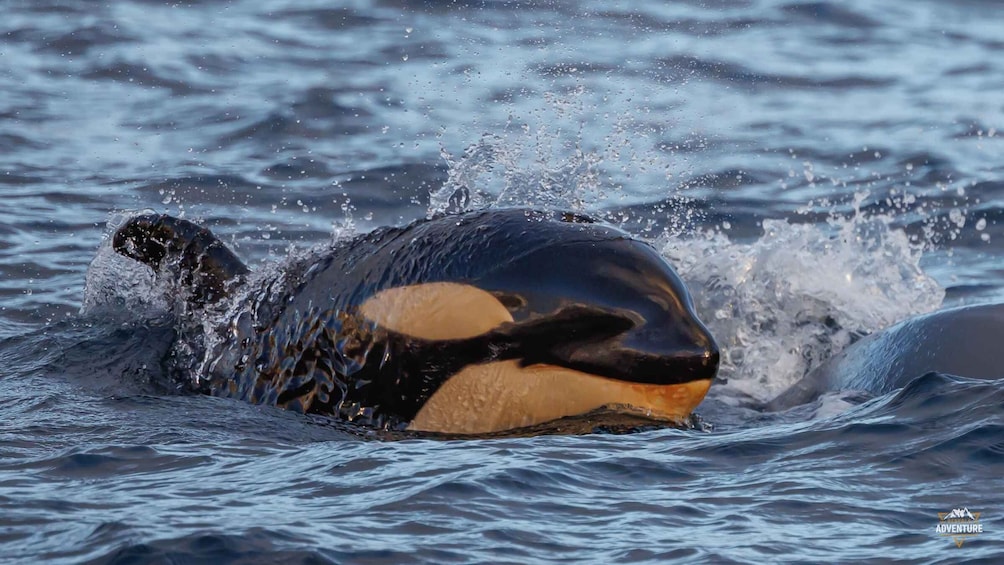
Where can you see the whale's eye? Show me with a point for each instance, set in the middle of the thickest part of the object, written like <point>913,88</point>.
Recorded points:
<point>511,301</point>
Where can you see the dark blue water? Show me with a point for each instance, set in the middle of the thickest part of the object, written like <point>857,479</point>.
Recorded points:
<point>815,171</point>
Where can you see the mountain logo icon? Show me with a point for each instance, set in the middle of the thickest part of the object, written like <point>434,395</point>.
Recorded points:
<point>960,513</point>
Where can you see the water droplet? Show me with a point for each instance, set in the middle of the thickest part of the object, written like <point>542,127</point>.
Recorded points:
<point>957,217</point>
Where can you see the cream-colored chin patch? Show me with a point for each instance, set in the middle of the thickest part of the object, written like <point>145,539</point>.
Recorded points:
<point>440,310</point>
<point>503,396</point>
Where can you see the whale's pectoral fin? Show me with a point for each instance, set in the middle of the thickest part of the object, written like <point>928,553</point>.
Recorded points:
<point>196,258</point>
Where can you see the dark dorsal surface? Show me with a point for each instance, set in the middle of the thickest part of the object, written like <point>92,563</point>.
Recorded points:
<point>962,341</point>
<point>457,248</point>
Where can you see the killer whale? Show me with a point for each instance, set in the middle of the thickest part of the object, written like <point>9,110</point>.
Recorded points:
<point>464,324</point>
<point>963,341</point>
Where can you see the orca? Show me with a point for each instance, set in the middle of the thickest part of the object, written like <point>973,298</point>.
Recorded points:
<point>471,323</point>
<point>963,341</point>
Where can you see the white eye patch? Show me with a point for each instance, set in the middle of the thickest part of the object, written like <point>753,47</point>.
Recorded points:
<point>436,311</point>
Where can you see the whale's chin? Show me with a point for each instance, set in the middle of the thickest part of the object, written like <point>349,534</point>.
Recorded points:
<point>501,396</point>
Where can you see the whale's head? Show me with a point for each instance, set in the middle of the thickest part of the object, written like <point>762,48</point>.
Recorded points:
<point>545,316</point>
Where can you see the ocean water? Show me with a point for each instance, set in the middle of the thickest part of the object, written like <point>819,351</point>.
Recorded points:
<point>815,171</point>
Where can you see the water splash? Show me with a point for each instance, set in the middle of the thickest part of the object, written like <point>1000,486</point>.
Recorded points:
<point>118,287</point>
<point>784,303</point>
<point>569,153</point>
<point>494,173</point>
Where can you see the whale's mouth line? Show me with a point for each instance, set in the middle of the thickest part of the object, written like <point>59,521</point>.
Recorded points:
<point>504,395</point>
<point>591,340</point>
